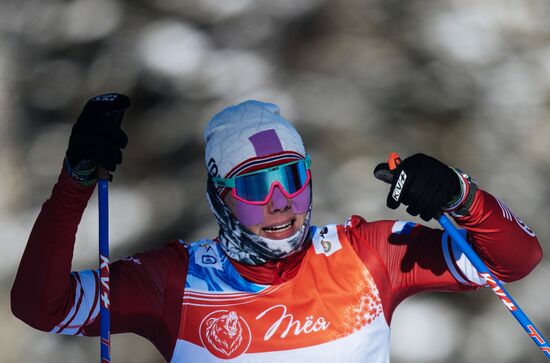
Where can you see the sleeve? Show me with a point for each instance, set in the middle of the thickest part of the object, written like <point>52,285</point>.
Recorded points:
<point>146,291</point>
<point>408,258</point>
<point>49,297</point>
<point>43,290</point>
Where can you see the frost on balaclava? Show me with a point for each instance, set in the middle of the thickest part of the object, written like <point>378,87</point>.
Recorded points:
<point>244,138</point>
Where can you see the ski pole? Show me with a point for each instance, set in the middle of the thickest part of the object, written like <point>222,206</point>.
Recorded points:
<point>105,328</point>
<point>104,177</point>
<point>495,285</point>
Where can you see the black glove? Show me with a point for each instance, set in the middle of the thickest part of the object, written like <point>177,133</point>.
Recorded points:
<point>421,182</point>
<point>96,137</point>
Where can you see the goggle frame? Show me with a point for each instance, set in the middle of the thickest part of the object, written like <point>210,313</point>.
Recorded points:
<point>230,182</point>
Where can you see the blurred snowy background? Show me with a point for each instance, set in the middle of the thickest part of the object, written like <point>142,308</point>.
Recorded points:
<point>465,81</point>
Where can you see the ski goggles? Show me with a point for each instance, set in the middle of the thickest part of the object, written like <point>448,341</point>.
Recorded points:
<point>257,187</point>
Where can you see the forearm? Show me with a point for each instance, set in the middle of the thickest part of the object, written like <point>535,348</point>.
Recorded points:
<point>42,291</point>
<point>506,245</point>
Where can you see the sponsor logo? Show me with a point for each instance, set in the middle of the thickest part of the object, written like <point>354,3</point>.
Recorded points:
<point>208,259</point>
<point>523,226</point>
<point>132,259</point>
<point>533,333</point>
<point>326,240</point>
<point>348,224</point>
<point>326,246</point>
<point>212,167</point>
<point>399,185</point>
<point>207,256</point>
<point>289,324</point>
<point>508,214</point>
<point>110,97</point>
<point>323,232</point>
<point>104,278</point>
<point>225,334</point>
<point>498,291</point>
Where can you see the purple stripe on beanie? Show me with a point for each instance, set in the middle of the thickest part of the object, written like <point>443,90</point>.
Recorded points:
<point>266,142</point>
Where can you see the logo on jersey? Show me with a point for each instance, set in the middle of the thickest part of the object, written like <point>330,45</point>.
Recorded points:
<point>207,256</point>
<point>325,240</point>
<point>132,259</point>
<point>293,326</point>
<point>326,246</point>
<point>523,226</point>
<point>508,214</point>
<point>225,334</point>
<point>399,185</point>
<point>348,224</point>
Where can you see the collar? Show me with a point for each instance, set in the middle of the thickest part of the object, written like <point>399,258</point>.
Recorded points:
<point>272,272</point>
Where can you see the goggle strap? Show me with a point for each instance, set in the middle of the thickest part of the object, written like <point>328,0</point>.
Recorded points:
<point>224,183</point>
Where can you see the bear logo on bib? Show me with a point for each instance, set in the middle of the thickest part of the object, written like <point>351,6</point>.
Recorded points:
<point>225,334</point>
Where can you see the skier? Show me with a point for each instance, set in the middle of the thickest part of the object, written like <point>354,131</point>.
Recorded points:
<point>271,286</point>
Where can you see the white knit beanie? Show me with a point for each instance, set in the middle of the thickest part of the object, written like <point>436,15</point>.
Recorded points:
<point>247,133</point>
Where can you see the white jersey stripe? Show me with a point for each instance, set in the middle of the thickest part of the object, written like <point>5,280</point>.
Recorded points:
<point>96,304</point>
<point>85,308</point>
<point>451,262</point>
<point>506,213</point>
<point>460,260</point>
<point>59,328</point>
<point>192,293</point>
<point>216,297</point>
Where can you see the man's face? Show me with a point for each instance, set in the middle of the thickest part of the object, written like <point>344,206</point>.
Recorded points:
<point>279,219</point>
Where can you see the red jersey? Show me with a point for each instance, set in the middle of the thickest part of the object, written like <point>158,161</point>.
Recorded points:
<point>149,289</point>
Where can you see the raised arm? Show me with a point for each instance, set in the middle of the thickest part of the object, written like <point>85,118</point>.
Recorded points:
<point>145,288</point>
<point>413,258</point>
<point>427,187</point>
<point>44,288</point>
